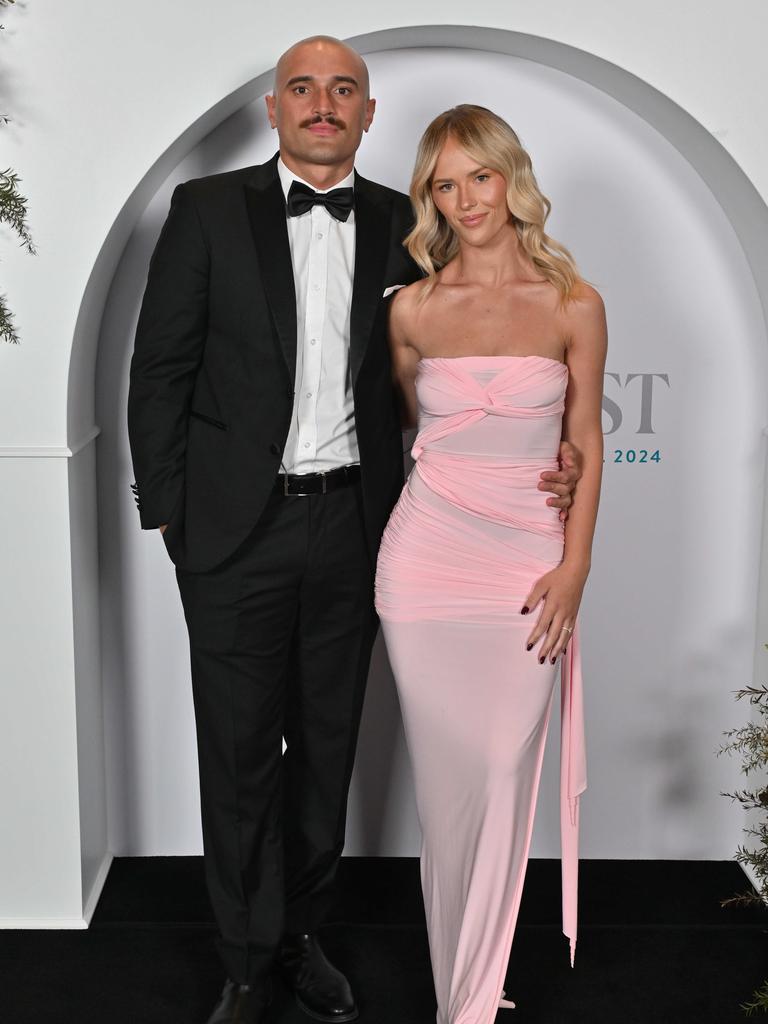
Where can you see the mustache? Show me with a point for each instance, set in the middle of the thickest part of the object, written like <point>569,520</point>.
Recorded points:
<point>329,119</point>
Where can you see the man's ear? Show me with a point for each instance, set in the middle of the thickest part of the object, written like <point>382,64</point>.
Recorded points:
<point>271,104</point>
<point>370,110</point>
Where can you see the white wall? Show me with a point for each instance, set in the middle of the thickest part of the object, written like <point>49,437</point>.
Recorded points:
<point>98,98</point>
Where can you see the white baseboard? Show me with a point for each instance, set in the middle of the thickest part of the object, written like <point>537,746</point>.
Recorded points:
<point>50,451</point>
<point>42,923</point>
<point>64,923</point>
<point>98,884</point>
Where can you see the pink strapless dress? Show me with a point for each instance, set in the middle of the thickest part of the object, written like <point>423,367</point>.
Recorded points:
<point>467,539</point>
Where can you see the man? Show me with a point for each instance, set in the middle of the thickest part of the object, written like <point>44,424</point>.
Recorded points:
<point>267,450</point>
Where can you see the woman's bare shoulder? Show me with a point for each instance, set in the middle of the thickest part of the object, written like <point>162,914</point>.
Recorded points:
<point>408,296</point>
<point>585,326</point>
<point>406,304</point>
<point>585,302</point>
<point>583,313</point>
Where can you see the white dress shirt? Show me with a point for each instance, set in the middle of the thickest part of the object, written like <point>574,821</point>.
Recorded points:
<point>322,434</point>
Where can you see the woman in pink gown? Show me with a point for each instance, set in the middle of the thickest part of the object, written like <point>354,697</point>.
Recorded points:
<point>498,353</point>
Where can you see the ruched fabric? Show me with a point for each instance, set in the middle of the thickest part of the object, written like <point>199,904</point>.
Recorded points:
<point>467,540</point>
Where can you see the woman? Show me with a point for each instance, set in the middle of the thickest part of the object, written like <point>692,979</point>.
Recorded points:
<point>498,353</point>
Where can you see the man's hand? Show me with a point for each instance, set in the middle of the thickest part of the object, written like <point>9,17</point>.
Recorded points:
<point>562,482</point>
<point>162,529</point>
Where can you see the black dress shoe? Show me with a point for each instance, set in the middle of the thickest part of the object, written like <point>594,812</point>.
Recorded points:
<point>321,991</point>
<point>240,1004</point>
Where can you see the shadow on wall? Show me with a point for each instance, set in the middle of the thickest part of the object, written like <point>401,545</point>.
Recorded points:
<point>381,805</point>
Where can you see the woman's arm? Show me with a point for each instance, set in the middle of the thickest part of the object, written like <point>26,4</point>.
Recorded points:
<point>405,357</point>
<point>582,422</point>
<point>561,589</point>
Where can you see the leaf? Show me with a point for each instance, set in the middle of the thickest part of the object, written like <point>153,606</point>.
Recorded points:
<point>13,207</point>
<point>750,742</point>
<point>759,1001</point>
<point>7,330</point>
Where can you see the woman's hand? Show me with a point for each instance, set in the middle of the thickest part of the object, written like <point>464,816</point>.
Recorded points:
<point>560,591</point>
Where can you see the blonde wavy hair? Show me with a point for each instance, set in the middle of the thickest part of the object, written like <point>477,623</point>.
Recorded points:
<point>489,139</point>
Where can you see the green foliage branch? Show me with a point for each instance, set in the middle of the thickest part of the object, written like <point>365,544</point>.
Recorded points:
<point>750,743</point>
<point>13,213</point>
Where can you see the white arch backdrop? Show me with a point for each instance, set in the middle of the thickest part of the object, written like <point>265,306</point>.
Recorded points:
<point>738,200</point>
<point>656,242</point>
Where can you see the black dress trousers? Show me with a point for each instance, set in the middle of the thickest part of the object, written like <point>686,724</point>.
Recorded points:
<point>280,638</point>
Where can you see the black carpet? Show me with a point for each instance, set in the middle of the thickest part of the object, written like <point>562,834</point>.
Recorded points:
<point>655,947</point>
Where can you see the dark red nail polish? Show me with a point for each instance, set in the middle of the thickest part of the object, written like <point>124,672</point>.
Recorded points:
<point>541,661</point>
<point>553,660</point>
<point>524,610</point>
<point>529,647</point>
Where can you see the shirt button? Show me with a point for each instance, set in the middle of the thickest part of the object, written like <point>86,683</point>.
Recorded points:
<point>306,444</point>
<point>309,394</point>
<point>316,288</point>
<point>319,234</point>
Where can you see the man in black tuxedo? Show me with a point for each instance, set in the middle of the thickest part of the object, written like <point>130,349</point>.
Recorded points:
<point>267,449</point>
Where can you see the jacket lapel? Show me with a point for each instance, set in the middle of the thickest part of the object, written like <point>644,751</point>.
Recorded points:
<point>266,210</point>
<point>372,231</point>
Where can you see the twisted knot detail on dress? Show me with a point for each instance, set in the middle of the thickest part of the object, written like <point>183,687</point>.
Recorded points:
<point>479,464</point>
<point>452,398</point>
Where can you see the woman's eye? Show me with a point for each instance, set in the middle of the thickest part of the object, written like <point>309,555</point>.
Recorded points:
<point>482,177</point>
<point>445,187</point>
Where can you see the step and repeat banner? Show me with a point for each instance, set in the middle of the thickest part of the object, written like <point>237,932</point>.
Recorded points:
<point>668,616</point>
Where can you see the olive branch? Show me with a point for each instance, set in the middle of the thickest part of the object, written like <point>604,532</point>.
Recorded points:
<point>13,213</point>
<point>750,742</point>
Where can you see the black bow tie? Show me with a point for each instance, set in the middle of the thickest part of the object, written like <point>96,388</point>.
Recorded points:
<point>338,202</point>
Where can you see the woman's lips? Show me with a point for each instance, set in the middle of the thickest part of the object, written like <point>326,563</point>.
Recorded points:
<point>471,221</point>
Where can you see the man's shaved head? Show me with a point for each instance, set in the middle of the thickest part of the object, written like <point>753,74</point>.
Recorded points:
<point>319,44</point>
<point>320,106</point>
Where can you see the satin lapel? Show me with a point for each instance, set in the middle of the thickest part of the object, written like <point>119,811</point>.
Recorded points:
<point>266,211</point>
<point>372,231</point>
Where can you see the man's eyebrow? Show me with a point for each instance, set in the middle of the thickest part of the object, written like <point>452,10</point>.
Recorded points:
<point>310,78</point>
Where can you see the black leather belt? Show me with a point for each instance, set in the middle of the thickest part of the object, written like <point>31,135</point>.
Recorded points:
<point>299,484</point>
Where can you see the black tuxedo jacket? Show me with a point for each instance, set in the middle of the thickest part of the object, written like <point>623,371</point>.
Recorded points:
<point>213,369</point>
